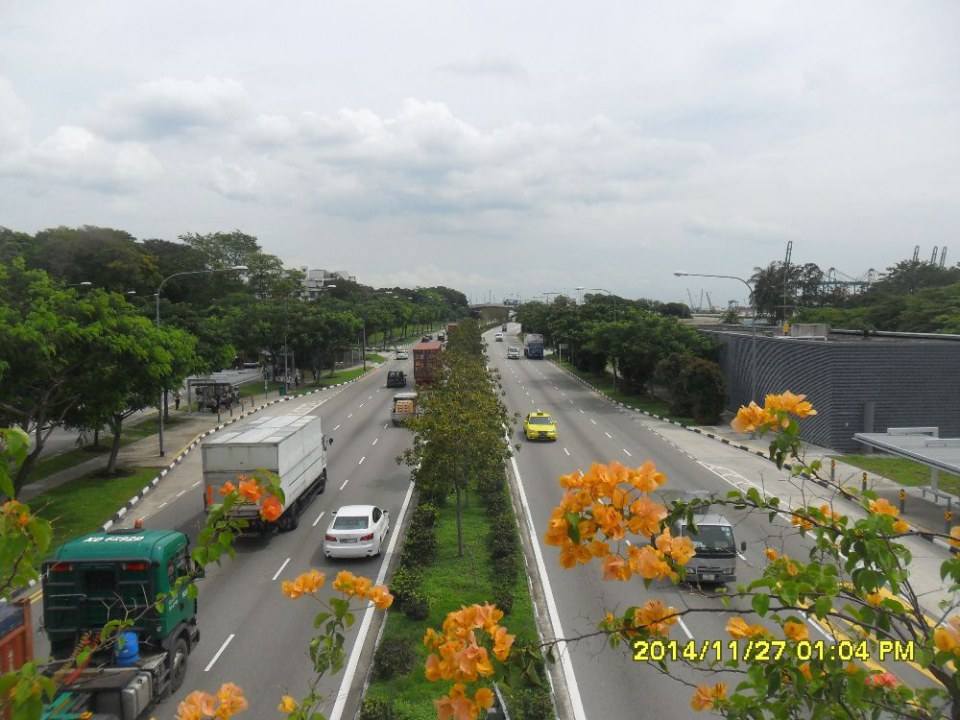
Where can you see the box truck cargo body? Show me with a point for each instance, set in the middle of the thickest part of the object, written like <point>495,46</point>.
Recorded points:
<point>292,446</point>
<point>426,361</point>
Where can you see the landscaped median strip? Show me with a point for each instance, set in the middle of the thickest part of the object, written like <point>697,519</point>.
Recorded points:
<point>129,505</point>
<point>923,532</point>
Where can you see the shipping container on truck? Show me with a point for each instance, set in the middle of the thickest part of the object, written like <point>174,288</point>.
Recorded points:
<point>426,361</point>
<point>533,346</point>
<point>292,446</point>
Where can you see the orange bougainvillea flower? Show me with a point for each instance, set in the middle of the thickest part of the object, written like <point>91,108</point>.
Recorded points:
<point>805,671</point>
<point>955,536</point>
<point>947,637</point>
<point>271,509</point>
<point>771,554</point>
<point>655,617</point>
<point>884,679</point>
<point>645,516</point>
<point>380,597</point>
<point>196,706</point>
<point>707,697</point>
<point>901,526</point>
<point>227,488</point>
<point>800,521</point>
<point>680,549</point>
<point>795,630</point>
<point>883,507</point>
<point>502,642</point>
<point>231,701</point>
<point>308,582</point>
<point>740,629</point>
<point>648,563</point>
<point>751,418</point>
<point>788,402</point>
<point>646,478</point>
<point>287,704</point>
<point>483,698</point>
<point>250,490</point>
<point>344,582</point>
<point>616,568</point>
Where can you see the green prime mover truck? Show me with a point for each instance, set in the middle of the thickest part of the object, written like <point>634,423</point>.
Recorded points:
<point>119,575</point>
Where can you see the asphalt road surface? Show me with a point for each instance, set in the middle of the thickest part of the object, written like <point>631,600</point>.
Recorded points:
<point>591,429</point>
<point>250,633</point>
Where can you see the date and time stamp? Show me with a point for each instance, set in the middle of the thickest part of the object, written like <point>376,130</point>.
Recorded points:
<point>723,651</point>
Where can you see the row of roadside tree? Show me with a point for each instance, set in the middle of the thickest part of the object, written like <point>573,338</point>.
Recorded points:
<point>79,342</point>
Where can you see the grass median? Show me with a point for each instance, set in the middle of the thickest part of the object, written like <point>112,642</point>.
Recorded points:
<point>83,505</point>
<point>449,583</point>
<point>604,383</point>
<point>903,471</point>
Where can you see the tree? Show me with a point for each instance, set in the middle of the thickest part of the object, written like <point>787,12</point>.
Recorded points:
<point>127,368</point>
<point>44,345</point>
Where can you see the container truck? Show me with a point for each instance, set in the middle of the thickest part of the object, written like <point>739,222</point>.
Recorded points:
<point>404,407</point>
<point>119,575</point>
<point>533,346</point>
<point>292,446</point>
<point>426,361</point>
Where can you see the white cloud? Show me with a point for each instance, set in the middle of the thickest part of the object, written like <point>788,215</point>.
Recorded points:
<point>492,67</point>
<point>14,118</point>
<point>170,106</point>
<point>231,180</point>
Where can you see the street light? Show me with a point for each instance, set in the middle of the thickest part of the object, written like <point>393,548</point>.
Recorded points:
<point>753,324</point>
<point>163,394</point>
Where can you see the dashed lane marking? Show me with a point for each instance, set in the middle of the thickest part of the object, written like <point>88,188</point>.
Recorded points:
<point>567,452</point>
<point>277,573</point>
<point>317,521</point>
<point>361,460</point>
<point>608,434</point>
<point>375,441</point>
<point>344,483</point>
<point>336,428</point>
<point>220,652</point>
<point>593,421</point>
<point>629,454</point>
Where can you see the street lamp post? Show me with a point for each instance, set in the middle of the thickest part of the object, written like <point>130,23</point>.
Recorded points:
<point>753,324</point>
<point>163,394</point>
<point>615,318</point>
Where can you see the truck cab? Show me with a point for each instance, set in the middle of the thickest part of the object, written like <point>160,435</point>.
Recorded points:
<point>119,575</point>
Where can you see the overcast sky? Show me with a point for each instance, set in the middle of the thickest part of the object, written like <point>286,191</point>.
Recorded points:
<point>504,147</point>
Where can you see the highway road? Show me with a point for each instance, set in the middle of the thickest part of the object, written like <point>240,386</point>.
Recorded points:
<point>591,429</point>
<point>250,633</point>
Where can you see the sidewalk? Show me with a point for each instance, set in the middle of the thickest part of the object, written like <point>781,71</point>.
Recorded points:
<point>921,512</point>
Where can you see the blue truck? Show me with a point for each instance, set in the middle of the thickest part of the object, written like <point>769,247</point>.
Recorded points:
<point>533,346</point>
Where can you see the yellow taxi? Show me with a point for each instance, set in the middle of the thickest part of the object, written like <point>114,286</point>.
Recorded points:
<point>539,426</point>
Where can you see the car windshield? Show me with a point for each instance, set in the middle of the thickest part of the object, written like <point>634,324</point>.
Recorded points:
<point>711,537</point>
<point>541,421</point>
<point>347,522</point>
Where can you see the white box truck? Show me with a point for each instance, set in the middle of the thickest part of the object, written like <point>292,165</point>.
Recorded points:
<point>292,446</point>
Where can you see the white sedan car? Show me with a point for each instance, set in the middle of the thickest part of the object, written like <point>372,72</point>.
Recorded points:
<point>356,531</point>
<point>402,355</point>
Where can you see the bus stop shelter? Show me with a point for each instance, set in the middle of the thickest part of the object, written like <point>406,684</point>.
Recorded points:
<point>923,445</point>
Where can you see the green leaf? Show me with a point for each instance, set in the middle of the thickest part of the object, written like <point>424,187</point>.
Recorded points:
<point>761,604</point>
<point>573,527</point>
<point>822,607</point>
<point>320,619</point>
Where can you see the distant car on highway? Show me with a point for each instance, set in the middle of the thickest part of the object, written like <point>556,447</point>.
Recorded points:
<point>402,355</point>
<point>396,378</point>
<point>513,353</point>
<point>356,531</point>
<point>426,338</point>
<point>539,426</point>
<point>498,337</point>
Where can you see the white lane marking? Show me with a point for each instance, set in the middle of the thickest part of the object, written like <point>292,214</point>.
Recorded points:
<point>220,652</point>
<point>344,483</point>
<point>385,425</point>
<point>525,392</point>
<point>817,626</point>
<point>686,630</point>
<point>741,556</point>
<point>375,441</point>
<point>593,421</point>
<point>336,428</point>
<point>161,506</point>
<point>370,397</point>
<point>196,483</point>
<point>629,454</point>
<point>572,688</point>
<point>317,521</point>
<point>277,573</point>
<point>580,409</point>
<point>362,404</point>
<point>567,452</point>
<point>361,460</point>
<point>349,416</point>
<point>608,434</point>
<point>181,493</point>
<point>347,682</point>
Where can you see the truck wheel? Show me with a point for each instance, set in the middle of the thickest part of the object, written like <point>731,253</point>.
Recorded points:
<point>323,482</point>
<point>178,669</point>
<point>289,521</point>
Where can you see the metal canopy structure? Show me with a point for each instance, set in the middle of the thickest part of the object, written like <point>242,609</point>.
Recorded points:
<point>921,444</point>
